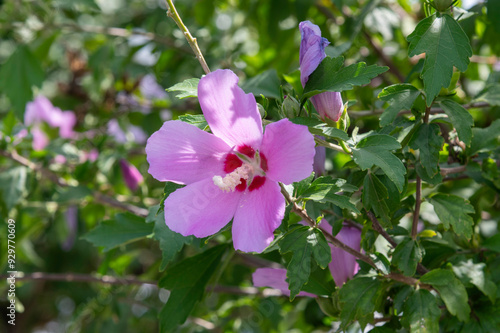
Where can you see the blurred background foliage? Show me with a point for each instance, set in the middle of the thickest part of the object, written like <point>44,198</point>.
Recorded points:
<point>90,56</point>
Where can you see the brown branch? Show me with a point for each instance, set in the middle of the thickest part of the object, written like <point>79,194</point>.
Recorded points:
<point>378,228</point>
<point>416,213</point>
<point>98,196</point>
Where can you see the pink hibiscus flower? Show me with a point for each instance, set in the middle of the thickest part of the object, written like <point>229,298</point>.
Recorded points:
<point>232,173</point>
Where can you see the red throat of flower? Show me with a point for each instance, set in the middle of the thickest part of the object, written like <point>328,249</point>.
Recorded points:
<point>245,168</point>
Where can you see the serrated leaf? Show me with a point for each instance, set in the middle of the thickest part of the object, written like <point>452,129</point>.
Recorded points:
<point>429,143</point>
<point>484,138</point>
<point>406,256</point>
<point>375,150</point>
<point>305,244</point>
<point>330,76</point>
<point>197,120</point>
<point>451,290</point>
<point>374,198</point>
<point>170,241</point>
<point>445,45</point>
<point>490,95</point>
<point>13,186</point>
<point>300,187</point>
<point>453,210</point>
<point>323,190</point>
<point>460,118</point>
<point>266,83</point>
<point>187,282</point>
<point>400,97</point>
<point>123,229</point>
<point>360,297</point>
<point>470,272</point>
<point>187,88</point>
<point>18,75</point>
<point>421,312</point>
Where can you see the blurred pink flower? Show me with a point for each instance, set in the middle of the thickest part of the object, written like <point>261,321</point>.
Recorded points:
<point>131,175</point>
<point>135,133</point>
<point>274,278</point>
<point>312,52</point>
<point>319,160</point>
<point>41,110</point>
<point>233,172</point>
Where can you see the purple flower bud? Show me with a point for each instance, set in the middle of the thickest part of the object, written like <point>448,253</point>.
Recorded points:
<point>319,160</point>
<point>131,175</point>
<point>343,265</point>
<point>312,52</point>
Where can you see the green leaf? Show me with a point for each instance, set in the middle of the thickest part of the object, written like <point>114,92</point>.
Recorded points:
<point>375,150</point>
<point>484,138</point>
<point>429,143</point>
<point>305,243</point>
<point>460,118</point>
<point>187,88</point>
<point>18,75</point>
<point>490,94</point>
<point>303,185</point>
<point>197,120</point>
<point>360,296</point>
<point>320,128</point>
<point>400,97</point>
<point>469,272</point>
<point>445,45</point>
<point>323,190</point>
<point>375,198</point>
<point>406,256</point>
<point>451,290</point>
<point>170,241</point>
<point>266,83</point>
<point>330,76</point>
<point>13,186</point>
<point>493,243</point>
<point>421,312</point>
<point>123,229</point>
<point>454,210</point>
<point>187,282</point>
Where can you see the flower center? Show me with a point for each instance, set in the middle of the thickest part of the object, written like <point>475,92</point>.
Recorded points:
<point>243,166</point>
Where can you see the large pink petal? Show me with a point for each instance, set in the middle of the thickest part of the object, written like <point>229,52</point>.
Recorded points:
<point>259,213</point>
<point>289,149</point>
<point>185,154</point>
<point>274,278</point>
<point>200,209</point>
<point>231,114</point>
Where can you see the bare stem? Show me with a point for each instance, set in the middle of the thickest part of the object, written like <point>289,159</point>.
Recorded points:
<point>364,113</point>
<point>378,228</point>
<point>172,12</point>
<point>330,145</point>
<point>98,196</point>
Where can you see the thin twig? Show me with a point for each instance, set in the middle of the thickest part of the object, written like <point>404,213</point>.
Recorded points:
<point>98,196</point>
<point>120,32</point>
<point>113,280</point>
<point>365,113</point>
<point>385,59</point>
<point>172,12</point>
<point>378,228</point>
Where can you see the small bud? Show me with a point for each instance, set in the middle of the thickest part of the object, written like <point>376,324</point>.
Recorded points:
<point>290,107</point>
<point>262,111</point>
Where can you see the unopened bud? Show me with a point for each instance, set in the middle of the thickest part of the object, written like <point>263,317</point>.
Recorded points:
<point>290,107</point>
